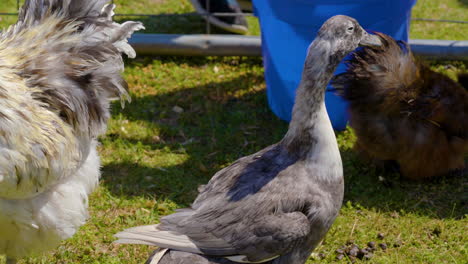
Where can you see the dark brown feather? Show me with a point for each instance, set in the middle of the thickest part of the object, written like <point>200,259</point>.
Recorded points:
<point>401,110</point>
<point>463,80</point>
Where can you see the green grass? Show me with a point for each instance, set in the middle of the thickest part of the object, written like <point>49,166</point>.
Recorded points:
<point>154,158</point>
<point>440,9</point>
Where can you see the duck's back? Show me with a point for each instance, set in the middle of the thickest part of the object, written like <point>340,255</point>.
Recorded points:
<point>261,207</point>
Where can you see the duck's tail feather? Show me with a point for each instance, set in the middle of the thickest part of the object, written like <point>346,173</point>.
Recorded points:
<point>151,235</point>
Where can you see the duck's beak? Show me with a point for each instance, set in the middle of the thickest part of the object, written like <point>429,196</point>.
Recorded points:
<point>370,40</point>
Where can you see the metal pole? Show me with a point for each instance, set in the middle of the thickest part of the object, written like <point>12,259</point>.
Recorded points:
<point>196,45</point>
<point>235,45</point>
<point>440,49</point>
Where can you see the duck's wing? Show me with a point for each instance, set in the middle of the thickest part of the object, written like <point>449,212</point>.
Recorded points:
<point>265,238</point>
<point>234,216</point>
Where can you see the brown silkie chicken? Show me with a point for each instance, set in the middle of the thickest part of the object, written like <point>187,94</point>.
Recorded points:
<point>60,65</point>
<point>403,111</point>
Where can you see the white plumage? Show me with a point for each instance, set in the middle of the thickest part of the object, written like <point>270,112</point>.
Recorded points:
<point>60,65</point>
<point>41,222</point>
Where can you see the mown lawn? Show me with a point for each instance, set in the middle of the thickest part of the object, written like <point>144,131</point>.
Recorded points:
<point>191,116</point>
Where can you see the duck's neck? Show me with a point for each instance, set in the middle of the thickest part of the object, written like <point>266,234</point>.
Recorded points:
<point>310,123</point>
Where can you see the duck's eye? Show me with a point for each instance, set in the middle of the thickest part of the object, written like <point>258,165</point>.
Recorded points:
<point>350,29</point>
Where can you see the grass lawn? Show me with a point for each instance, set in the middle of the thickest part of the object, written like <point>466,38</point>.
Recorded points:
<point>154,157</point>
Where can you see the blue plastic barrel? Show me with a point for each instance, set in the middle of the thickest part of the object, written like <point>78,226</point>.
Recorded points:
<point>289,26</point>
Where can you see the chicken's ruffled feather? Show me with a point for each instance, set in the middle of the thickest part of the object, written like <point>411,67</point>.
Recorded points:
<point>60,66</point>
<point>403,111</point>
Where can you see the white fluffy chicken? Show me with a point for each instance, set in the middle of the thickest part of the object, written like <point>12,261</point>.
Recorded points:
<point>60,65</point>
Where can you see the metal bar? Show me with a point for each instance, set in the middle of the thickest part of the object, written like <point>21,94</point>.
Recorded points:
<point>196,45</point>
<point>234,45</point>
<point>440,49</point>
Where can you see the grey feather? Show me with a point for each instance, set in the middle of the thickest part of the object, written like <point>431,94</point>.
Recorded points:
<point>151,235</point>
<point>276,205</point>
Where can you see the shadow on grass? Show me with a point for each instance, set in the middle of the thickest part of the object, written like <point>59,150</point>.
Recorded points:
<point>201,61</point>
<point>464,2</point>
<point>223,121</point>
<point>371,187</point>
